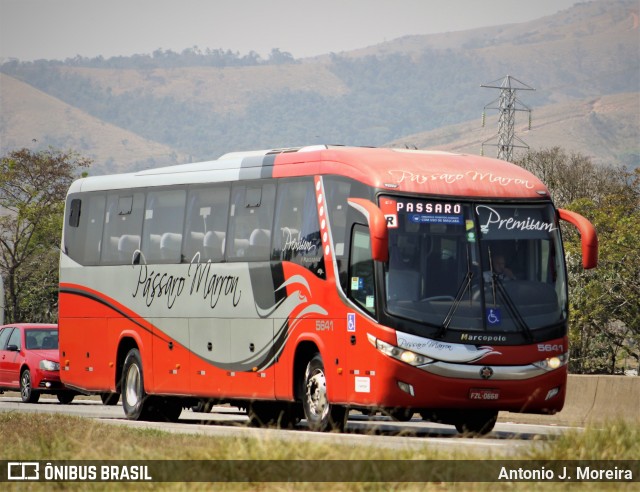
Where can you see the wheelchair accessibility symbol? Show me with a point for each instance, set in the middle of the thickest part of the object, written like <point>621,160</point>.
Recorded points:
<point>494,316</point>
<point>351,321</point>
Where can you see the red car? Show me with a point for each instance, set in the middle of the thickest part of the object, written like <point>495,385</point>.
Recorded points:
<point>29,362</point>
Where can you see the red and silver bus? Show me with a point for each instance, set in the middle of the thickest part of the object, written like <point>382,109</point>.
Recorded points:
<point>302,283</point>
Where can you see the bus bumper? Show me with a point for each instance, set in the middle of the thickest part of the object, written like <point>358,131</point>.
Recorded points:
<point>412,387</point>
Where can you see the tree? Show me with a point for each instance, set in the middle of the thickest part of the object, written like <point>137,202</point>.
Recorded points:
<point>33,187</point>
<point>605,302</point>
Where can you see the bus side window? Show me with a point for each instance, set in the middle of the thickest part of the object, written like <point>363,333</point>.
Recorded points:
<point>162,230</point>
<point>206,226</point>
<point>122,227</point>
<point>74,213</point>
<point>251,220</point>
<point>83,240</point>
<point>297,230</point>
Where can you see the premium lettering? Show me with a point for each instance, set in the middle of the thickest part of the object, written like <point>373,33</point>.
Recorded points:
<point>494,220</point>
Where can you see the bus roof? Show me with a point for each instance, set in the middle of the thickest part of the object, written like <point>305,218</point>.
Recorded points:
<point>397,170</point>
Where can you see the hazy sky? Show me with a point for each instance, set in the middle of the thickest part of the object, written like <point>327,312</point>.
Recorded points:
<point>59,29</point>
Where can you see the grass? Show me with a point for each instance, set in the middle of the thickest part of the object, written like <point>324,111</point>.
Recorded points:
<point>31,437</point>
<point>615,440</point>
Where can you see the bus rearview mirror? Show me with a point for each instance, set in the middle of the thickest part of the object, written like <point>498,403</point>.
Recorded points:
<point>588,237</point>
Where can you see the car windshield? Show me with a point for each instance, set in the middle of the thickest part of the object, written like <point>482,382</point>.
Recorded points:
<point>41,339</point>
<point>466,266</point>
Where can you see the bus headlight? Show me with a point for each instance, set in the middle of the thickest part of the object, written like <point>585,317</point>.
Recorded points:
<point>49,365</point>
<point>552,363</point>
<point>406,356</point>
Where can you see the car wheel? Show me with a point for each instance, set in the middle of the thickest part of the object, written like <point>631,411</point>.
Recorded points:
<point>66,398</point>
<point>27,393</point>
<point>320,414</point>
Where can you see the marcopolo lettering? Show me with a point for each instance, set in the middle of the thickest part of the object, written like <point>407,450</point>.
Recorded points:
<point>466,337</point>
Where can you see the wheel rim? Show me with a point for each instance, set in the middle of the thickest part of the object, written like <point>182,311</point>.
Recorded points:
<point>26,385</point>
<point>133,389</point>
<point>317,394</point>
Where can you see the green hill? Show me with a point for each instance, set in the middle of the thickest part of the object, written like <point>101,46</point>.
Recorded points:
<point>146,110</point>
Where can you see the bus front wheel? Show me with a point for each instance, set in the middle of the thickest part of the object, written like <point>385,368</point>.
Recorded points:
<point>477,423</point>
<point>320,414</point>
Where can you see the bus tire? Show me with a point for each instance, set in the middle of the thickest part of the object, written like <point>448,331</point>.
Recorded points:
<point>164,409</point>
<point>401,414</point>
<point>203,406</point>
<point>110,399</point>
<point>135,401</point>
<point>320,414</point>
<point>272,414</point>
<point>477,423</point>
<point>66,397</point>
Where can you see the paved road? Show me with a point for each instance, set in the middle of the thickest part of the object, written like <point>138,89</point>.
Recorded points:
<point>506,438</point>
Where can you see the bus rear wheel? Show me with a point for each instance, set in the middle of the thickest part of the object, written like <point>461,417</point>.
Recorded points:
<point>320,414</point>
<point>273,414</point>
<point>109,399</point>
<point>66,397</point>
<point>134,399</point>
<point>165,409</point>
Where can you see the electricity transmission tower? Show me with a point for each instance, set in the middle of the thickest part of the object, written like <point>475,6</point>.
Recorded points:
<point>507,104</point>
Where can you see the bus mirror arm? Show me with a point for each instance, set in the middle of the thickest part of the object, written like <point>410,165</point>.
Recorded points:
<point>588,237</point>
<point>377,227</point>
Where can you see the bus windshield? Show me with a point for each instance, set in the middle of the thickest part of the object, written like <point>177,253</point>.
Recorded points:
<point>474,266</point>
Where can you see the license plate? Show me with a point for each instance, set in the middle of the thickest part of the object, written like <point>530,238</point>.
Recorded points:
<point>484,394</point>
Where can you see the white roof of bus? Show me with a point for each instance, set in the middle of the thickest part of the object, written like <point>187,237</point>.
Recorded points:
<point>426,171</point>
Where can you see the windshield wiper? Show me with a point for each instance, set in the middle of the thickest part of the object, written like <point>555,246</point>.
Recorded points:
<point>496,283</point>
<point>511,307</point>
<point>464,286</point>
